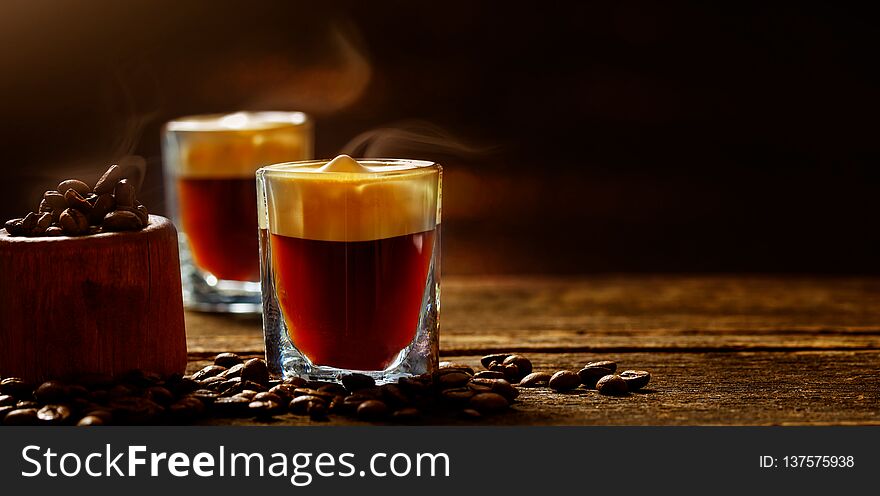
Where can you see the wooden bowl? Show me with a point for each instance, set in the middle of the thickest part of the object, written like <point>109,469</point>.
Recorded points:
<point>106,304</point>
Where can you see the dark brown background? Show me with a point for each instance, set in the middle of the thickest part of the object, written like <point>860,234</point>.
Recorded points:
<point>579,137</point>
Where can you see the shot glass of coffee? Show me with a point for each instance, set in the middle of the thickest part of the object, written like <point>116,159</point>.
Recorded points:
<point>211,193</point>
<point>350,258</point>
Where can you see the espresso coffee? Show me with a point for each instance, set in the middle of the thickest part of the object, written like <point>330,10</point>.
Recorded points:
<point>349,250</point>
<point>352,304</point>
<point>210,165</point>
<point>219,216</point>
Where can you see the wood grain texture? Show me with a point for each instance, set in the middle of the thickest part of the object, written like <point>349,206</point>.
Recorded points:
<point>722,350</point>
<point>105,303</point>
<point>626,313</point>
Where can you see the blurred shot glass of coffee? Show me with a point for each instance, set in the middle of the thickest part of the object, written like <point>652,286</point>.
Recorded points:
<point>210,186</point>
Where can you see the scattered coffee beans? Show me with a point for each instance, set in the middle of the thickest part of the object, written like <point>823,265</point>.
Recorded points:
<point>535,379</point>
<point>564,380</point>
<point>234,387</point>
<point>75,209</point>
<point>593,371</point>
<point>611,385</point>
<point>635,379</point>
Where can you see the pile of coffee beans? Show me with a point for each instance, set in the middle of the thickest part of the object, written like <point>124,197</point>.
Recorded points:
<point>74,209</point>
<point>236,387</point>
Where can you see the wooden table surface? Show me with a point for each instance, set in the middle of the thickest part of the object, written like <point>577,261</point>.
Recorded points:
<point>722,350</point>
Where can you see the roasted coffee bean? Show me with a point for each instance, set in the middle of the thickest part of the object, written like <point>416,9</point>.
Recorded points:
<point>214,383</point>
<point>452,379</point>
<point>227,360</point>
<point>414,386</point>
<point>333,389</point>
<point>90,421</point>
<point>372,410</point>
<point>29,222</point>
<point>352,402</point>
<point>75,200</point>
<point>233,406</point>
<point>495,357</point>
<point>121,220</point>
<point>488,403</point>
<point>337,404</point>
<point>136,411</point>
<point>13,227</point>
<point>264,408</point>
<point>7,400</point>
<point>300,404</point>
<point>591,374</point>
<point>611,385</point>
<point>458,395</point>
<point>313,392</point>
<point>208,371</point>
<point>106,415</point>
<point>51,392</point>
<point>54,231</point>
<point>354,382</point>
<point>160,395</point>
<point>54,414</point>
<point>267,396</point>
<point>182,386</point>
<point>27,404</point>
<point>511,372</point>
<point>108,180</point>
<point>248,393</point>
<point>233,371</point>
<point>45,207</point>
<point>186,410</point>
<point>55,200</point>
<point>608,364</point>
<point>255,370</point>
<point>44,221</point>
<point>499,386</point>
<point>471,413</point>
<point>123,192</point>
<point>21,416</point>
<point>283,391</point>
<point>74,184</point>
<point>18,388</point>
<point>295,381</point>
<point>564,380</point>
<point>456,366</point>
<point>523,365</point>
<point>408,414</point>
<point>317,410</point>
<point>73,222</point>
<point>479,388</point>
<point>104,204</point>
<point>635,379</point>
<point>535,379</point>
<point>205,396</point>
<point>5,410</point>
<point>489,374</point>
<point>143,214</point>
<point>393,395</point>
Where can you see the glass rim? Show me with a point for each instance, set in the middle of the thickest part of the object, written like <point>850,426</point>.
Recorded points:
<point>224,122</point>
<point>397,167</point>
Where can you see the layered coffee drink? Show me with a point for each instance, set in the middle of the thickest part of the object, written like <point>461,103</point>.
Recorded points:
<point>350,266</point>
<point>210,163</point>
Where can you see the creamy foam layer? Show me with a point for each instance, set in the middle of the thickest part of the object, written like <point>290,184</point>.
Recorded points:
<point>348,200</point>
<point>236,145</point>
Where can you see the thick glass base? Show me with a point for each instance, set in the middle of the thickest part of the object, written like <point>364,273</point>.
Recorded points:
<point>204,292</point>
